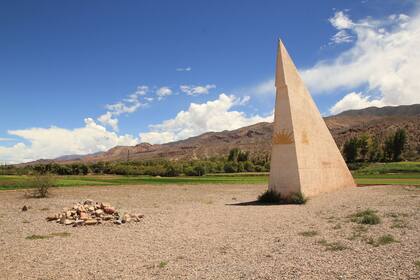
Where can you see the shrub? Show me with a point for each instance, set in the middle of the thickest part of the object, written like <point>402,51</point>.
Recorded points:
<point>274,197</point>
<point>249,166</point>
<point>172,171</point>
<point>333,246</point>
<point>382,240</point>
<point>230,167</point>
<point>385,239</point>
<point>367,217</point>
<point>308,233</point>
<point>162,264</point>
<point>41,185</point>
<point>199,170</point>
<point>36,237</point>
<point>270,196</point>
<point>297,198</point>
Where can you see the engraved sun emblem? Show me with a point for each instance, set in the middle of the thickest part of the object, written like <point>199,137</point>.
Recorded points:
<point>283,137</point>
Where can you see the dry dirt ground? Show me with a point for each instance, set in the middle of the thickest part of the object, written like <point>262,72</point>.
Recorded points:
<point>197,232</point>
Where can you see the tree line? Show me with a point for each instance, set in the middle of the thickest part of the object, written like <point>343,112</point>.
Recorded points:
<point>364,148</point>
<point>367,148</point>
<point>235,161</point>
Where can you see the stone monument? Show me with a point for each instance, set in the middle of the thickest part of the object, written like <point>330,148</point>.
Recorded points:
<point>305,157</point>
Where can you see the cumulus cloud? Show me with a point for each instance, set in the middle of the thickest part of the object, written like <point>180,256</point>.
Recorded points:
<point>341,21</point>
<point>128,105</point>
<point>108,120</point>
<point>196,90</point>
<point>54,141</point>
<point>214,115</point>
<point>384,59</point>
<point>162,92</point>
<point>354,100</point>
<point>186,69</point>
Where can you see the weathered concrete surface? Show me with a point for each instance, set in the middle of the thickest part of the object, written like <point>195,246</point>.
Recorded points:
<point>305,157</point>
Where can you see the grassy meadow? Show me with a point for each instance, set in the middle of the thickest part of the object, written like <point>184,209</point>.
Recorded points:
<point>401,173</point>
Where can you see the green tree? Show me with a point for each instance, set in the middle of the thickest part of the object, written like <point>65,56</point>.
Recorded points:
<point>199,170</point>
<point>388,148</point>
<point>172,170</point>
<point>350,149</point>
<point>230,167</point>
<point>395,145</point>
<point>234,154</point>
<point>249,166</point>
<point>399,143</point>
<point>364,143</point>
<point>374,153</point>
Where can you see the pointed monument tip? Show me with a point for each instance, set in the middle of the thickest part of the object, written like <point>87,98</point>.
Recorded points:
<point>280,75</point>
<point>285,68</point>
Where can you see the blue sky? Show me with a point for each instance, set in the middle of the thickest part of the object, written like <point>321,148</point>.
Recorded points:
<point>63,62</point>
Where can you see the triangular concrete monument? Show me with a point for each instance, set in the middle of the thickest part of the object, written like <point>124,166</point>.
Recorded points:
<point>305,157</point>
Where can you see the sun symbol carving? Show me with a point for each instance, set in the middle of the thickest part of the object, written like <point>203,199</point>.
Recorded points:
<point>283,137</point>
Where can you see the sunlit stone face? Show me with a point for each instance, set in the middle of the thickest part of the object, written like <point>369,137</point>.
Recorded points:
<point>305,157</point>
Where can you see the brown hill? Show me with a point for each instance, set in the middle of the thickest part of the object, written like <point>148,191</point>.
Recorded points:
<point>257,138</point>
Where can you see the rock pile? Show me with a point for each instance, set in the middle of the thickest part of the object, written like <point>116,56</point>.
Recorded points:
<point>92,213</point>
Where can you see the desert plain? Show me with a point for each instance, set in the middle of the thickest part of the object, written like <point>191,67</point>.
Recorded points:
<point>214,232</point>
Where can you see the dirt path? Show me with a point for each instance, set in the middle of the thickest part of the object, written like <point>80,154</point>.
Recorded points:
<point>197,232</point>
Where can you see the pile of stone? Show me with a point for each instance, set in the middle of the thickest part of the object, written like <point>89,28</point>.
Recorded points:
<point>92,213</point>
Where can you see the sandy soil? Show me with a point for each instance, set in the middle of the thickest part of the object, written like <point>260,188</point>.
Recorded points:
<point>197,232</point>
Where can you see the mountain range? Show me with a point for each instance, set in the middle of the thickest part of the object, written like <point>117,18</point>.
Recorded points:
<point>256,138</point>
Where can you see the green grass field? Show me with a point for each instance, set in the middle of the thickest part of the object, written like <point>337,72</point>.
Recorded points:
<point>404,173</point>
<point>16,182</point>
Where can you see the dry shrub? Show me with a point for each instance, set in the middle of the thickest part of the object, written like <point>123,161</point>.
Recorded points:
<point>40,185</point>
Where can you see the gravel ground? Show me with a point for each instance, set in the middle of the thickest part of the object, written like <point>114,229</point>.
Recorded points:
<point>197,232</point>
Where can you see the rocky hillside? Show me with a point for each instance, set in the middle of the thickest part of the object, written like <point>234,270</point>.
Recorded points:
<point>257,138</point>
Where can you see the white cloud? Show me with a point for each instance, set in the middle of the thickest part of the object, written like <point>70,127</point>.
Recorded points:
<point>215,115</point>
<point>353,101</point>
<point>162,92</point>
<point>196,90</point>
<point>3,139</point>
<point>55,141</point>
<point>108,120</point>
<point>127,106</point>
<point>384,59</point>
<point>340,37</point>
<point>186,69</point>
<point>265,87</point>
<point>341,21</point>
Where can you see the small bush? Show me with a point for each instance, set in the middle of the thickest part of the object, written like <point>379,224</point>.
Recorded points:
<point>417,263</point>
<point>382,240</point>
<point>54,234</point>
<point>297,198</point>
<point>274,197</point>
<point>36,237</point>
<point>309,233</point>
<point>41,185</point>
<point>269,196</point>
<point>366,217</point>
<point>398,223</point>
<point>333,246</point>
<point>60,234</point>
<point>385,239</point>
<point>162,264</point>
